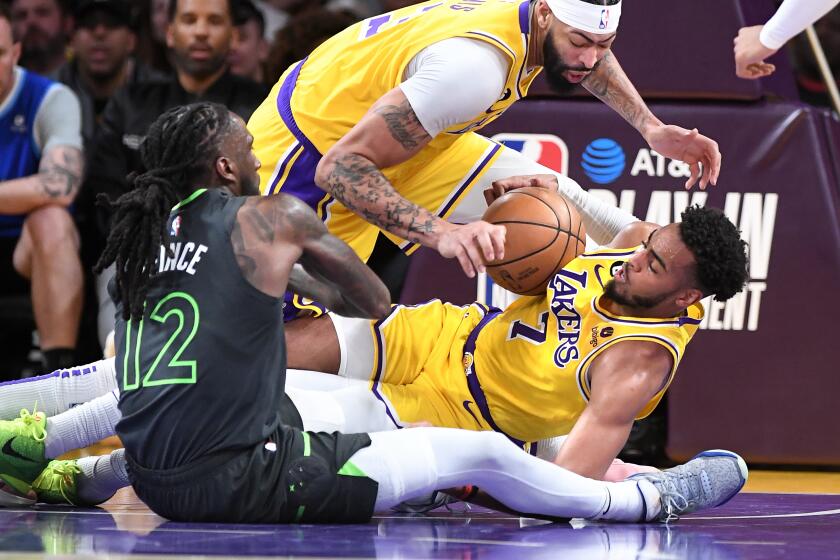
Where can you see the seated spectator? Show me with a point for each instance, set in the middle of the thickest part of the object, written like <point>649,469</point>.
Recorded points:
<point>43,27</point>
<point>250,50</point>
<point>199,38</point>
<point>152,20</point>
<point>301,35</point>
<point>40,174</point>
<point>103,44</point>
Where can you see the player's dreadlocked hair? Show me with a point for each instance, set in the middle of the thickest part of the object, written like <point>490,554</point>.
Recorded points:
<point>720,252</point>
<point>178,151</point>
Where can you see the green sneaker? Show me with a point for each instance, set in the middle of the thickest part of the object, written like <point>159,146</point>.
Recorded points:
<point>22,449</point>
<point>57,483</point>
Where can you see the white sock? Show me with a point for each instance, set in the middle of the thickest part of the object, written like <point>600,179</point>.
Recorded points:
<point>414,462</point>
<point>57,391</point>
<point>101,476</point>
<point>83,425</point>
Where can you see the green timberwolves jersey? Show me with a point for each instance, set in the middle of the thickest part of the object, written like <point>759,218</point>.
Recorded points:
<point>204,370</point>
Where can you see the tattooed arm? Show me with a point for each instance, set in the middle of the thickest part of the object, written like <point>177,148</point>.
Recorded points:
<point>350,171</point>
<point>57,182</point>
<point>610,84</point>
<point>273,233</point>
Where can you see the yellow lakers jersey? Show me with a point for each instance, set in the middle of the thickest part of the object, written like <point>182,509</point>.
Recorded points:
<point>343,77</point>
<point>531,361</point>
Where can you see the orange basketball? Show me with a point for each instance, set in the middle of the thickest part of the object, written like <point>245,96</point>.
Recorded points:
<point>544,233</point>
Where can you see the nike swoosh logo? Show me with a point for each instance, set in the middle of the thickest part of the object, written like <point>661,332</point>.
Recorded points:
<point>11,452</point>
<point>467,407</point>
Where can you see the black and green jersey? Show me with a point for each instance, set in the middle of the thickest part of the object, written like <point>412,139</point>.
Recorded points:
<point>204,370</point>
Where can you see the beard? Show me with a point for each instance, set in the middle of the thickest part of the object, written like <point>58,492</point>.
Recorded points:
<point>39,50</point>
<point>631,301</point>
<point>554,67</point>
<point>250,186</point>
<point>199,68</point>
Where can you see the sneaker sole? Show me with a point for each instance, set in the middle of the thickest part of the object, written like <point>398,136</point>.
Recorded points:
<point>742,467</point>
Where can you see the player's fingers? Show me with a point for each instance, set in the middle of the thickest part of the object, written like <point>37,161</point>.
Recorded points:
<point>474,255</point>
<point>464,261</point>
<point>489,196</point>
<point>497,237</point>
<point>705,174</point>
<point>714,166</point>
<point>485,242</point>
<point>695,174</point>
<point>504,185</point>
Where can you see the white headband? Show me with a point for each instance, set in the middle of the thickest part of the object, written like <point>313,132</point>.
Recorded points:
<point>587,17</point>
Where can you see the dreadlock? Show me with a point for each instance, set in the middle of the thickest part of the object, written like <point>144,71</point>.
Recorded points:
<point>718,249</point>
<point>178,152</point>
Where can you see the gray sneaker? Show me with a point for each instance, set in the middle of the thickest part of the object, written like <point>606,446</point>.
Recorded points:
<point>710,479</point>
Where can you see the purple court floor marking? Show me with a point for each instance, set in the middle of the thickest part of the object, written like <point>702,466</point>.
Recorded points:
<point>751,526</point>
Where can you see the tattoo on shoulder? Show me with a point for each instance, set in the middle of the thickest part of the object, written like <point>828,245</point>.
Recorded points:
<point>403,124</point>
<point>247,263</point>
<point>60,172</point>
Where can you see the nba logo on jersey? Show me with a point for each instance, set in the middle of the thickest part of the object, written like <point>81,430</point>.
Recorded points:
<point>545,149</point>
<point>176,226</point>
<point>605,19</point>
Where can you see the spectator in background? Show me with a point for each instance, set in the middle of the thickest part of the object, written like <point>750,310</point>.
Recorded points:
<point>152,20</point>
<point>43,27</point>
<point>40,173</point>
<point>274,18</point>
<point>103,44</point>
<point>199,38</point>
<point>301,36</point>
<point>755,44</point>
<point>249,52</point>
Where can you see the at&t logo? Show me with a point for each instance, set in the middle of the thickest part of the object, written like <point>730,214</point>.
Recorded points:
<point>603,161</point>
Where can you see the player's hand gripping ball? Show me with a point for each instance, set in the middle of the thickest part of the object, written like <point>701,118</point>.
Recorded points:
<point>544,233</point>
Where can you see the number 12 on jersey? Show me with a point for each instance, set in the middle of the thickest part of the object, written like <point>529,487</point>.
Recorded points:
<point>178,310</point>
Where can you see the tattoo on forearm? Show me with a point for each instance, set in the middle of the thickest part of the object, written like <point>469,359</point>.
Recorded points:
<point>609,84</point>
<point>362,188</point>
<point>403,124</point>
<point>60,172</point>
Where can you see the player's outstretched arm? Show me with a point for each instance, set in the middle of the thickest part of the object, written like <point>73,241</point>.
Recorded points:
<point>389,134</point>
<point>272,233</point>
<point>624,379</point>
<point>756,43</point>
<point>610,84</point>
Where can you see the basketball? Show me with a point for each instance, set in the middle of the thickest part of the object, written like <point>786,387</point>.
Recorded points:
<point>544,233</point>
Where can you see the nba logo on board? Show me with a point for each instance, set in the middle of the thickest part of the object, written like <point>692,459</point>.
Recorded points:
<point>545,149</point>
<point>176,226</point>
<point>605,19</point>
